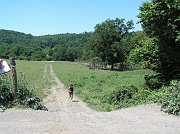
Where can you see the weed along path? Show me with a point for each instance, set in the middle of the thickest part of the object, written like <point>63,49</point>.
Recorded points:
<point>65,117</point>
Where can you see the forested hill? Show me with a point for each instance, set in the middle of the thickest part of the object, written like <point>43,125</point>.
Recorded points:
<point>88,46</point>
<point>48,47</point>
<point>69,39</point>
<point>13,37</point>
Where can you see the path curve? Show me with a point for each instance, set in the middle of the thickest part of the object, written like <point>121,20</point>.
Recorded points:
<point>66,117</point>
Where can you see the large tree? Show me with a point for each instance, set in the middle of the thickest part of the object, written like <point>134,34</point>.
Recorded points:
<point>161,19</point>
<point>108,36</point>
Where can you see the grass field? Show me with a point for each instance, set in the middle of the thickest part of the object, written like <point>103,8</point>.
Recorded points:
<point>36,74</point>
<point>101,89</point>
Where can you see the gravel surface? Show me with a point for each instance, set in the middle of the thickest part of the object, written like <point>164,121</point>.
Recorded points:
<point>74,117</point>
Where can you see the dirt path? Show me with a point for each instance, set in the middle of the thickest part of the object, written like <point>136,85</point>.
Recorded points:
<point>65,117</point>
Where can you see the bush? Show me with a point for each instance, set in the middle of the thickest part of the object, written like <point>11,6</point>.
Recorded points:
<point>153,81</point>
<point>25,94</point>
<point>171,102</point>
<point>121,96</point>
<point>6,94</point>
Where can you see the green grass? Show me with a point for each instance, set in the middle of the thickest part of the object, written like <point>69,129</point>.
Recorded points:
<point>36,74</point>
<point>101,89</point>
<point>98,87</point>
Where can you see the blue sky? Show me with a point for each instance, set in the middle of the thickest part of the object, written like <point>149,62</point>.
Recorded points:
<point>42,17</point>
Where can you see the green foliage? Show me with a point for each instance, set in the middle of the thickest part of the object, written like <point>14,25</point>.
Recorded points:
<point>25,95</point>
<point>37,48</point>
<point>160,19</point>
<point>171,102</point>
<point>35,71</point>
<point>146,55</point>
<point>6,94</point>
<point>121,95</point>
<point>13,37</point>
<point>107,40</point>
<point>28,73</point>
<point>107,90</point>
<point>154,81</point>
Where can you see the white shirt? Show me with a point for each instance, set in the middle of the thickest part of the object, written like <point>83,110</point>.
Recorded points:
<point>5,68</point>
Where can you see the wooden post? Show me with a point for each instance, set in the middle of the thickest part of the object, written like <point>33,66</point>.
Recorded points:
<point>14,77</point>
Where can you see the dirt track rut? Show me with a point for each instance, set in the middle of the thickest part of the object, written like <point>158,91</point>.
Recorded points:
<point>66,117</point>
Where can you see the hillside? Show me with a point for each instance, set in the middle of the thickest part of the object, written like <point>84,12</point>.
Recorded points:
<point>13,37</point>
<point>48,47</point>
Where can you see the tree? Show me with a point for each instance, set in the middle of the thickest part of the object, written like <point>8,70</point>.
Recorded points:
<point>107,40</point>
<point>146,55</point>
<point>161,19</point>
<point>3,52</point>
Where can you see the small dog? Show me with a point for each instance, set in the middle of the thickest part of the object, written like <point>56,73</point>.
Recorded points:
<point>71,90</point>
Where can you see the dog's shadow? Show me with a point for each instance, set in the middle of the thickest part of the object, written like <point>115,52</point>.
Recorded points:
<point>75,101</point>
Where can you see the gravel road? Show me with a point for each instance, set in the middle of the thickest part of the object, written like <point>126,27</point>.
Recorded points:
<point>66,117</point>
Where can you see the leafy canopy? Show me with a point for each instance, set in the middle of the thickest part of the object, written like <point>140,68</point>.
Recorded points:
<point>108,36</point>
<point>161,19</point>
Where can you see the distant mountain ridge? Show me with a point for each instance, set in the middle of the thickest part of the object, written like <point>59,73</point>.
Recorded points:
<point>47,47</point>
<point>14,37</point>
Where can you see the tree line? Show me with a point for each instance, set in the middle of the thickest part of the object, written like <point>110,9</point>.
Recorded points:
<point>49,47</point>
<point>70,47</point>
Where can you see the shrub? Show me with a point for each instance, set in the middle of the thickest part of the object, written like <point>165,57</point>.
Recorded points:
<point>121,96</point>
<point>25,94</point>
<point>171,102</point>
<point>6,94</point>
<point>153,81</point>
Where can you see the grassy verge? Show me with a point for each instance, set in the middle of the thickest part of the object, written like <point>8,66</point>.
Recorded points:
<point>106,90</point>
<point>36,74</point>
<point>31,82</point>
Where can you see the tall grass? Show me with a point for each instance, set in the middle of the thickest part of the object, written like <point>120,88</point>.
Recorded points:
<point>101,89</point>
<point>37,75</point>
